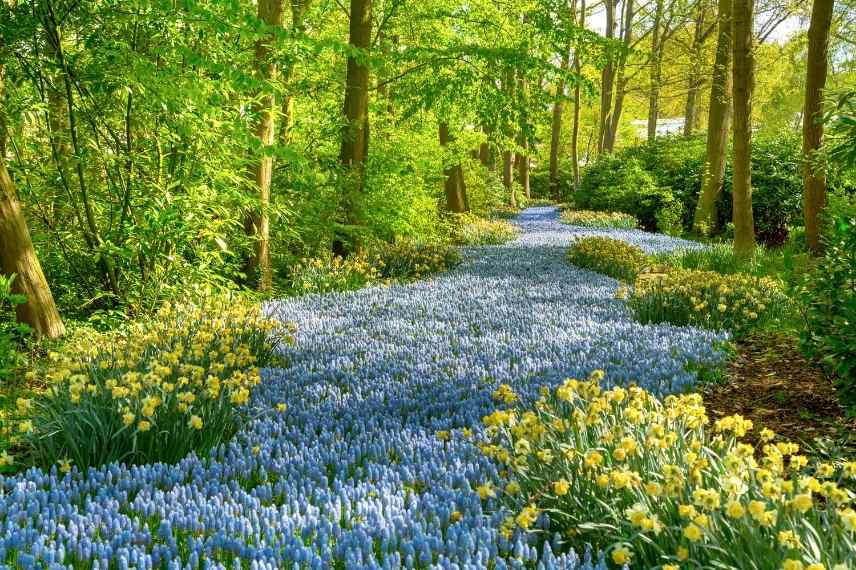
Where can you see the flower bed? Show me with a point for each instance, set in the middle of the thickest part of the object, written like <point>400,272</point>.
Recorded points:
<point>649,482</point>
<point>612,257</point>
<point>352,474</point>
<point>593,219</point>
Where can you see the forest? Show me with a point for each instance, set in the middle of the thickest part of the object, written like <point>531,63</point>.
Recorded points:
<point>472,284</point>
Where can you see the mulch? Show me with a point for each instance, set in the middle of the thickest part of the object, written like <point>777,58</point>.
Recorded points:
<point>772,383</point>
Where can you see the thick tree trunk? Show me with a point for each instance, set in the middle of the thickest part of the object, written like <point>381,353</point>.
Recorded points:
<point>522,161</point>
<point>456,194</point>
<point>18,257</point>
<point>556,130</point>
<point>258,225</point>
<point>743,84</point>
<point>656,72</point>
<point>606,79</point>
<point>621,80</point>
<point>719,118</point>
<point>575,133</point>
<point>355,135</point>
<point>814,173</point>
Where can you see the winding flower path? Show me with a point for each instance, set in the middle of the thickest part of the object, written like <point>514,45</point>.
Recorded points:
<point>353,474</point>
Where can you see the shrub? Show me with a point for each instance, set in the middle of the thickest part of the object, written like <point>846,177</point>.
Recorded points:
<point>624,185</point>
<point>647,482</point>
<point>11,333</point>
<point>407,259</point>
<point>737,302</point>
<point>608,256</point>
<point>829,297</point>
<point>470,230</point>
<point>153,393</point>
<point>330,273</point>
<point>590,219</point>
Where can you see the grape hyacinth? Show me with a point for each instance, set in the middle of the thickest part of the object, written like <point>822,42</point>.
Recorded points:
<point>369,465</point>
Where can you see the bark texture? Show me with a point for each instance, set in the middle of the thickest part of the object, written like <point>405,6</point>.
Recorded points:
<point>607,78</point>
<point>456,194</point>
<point>814,173</point>
<point>718,123</point>
<point>743,79</point>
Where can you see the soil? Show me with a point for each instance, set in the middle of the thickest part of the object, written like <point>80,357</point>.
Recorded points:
<point>770,382</point>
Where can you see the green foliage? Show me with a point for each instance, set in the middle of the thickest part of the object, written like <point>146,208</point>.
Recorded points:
<point>406,259</point>
<point>592,219</point>
<point>153,392</point>
<point>611,257</point>
<point>11,333</point>
<point>618,184</point>
<point>470,230</point>
<point>829,298</point>
<point>651,484</point>
<point>841,122</point>
<point>737,302</point>
<point>329,274</point>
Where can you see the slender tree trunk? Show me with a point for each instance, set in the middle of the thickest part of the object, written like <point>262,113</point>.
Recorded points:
<point>814,173</point>
<point>355,135</point>
<point>606,79</point>
<point>508,176</point>
<point>18,257</point>
<point>719,118</point>
<point>575,132</point>
<point>523,165</point>
<point>621,80</point>
<point>258,225</point>
<point>556,129</point>
<point>743,84</point>
<point>656,72</point>
<point>695,80</point>
<point>298,26</point>
<point>456,194</point>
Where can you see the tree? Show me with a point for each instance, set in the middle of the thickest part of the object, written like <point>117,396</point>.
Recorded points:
<point>743,80</point>
<point>607,78</point>
<point>456,193</point>
<point>575,130</point>
<point>614,115</point>
<point>258,223</point>
<point>558,111</point>
<point>18,257</point>
<point>298,26</point>
<point>718,123</point>
<point>695,78</point>
<point>355,134</point>
<point>814,173</point>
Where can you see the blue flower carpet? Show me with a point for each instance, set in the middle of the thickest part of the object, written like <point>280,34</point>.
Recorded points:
<point>353,475</point>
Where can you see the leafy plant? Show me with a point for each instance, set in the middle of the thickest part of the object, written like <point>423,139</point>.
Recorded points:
<point>611,257</point>
<point>407,259</point>
<point>647,482</point>
<point>828,294</point>
<point>590,219</point>
<point>152,393</point>
<point>737,302</point>
<point>11,332</point>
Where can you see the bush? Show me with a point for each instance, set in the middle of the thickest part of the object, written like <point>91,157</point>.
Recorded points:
<point>405,259</point>
<point>624,185</point>
<point>161,389</point>
<point>829,297</point>
<point>738,302</point>
<point>590,219</point>
<point>470,230</point>
<point>646,482</point>
<point>11,333</point>
<point>611,257</point>
<point>329,274</point>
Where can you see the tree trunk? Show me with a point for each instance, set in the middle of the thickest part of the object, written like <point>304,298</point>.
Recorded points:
<point>621,80</point>
<point>814,173</point>
<point>456,193</point>
<point>298,26</point>
<point>355,135</point>
<point>719,117</point>
<point>556,129</point>
<point>694,78</point>
<point>522,160</point>
<point>18,257</point>
<point>258,225</point>
<point>743,83</point>
<point>508,176</point>
<point>606,79</point>
<point>575,133</point>
<point>656,73</point>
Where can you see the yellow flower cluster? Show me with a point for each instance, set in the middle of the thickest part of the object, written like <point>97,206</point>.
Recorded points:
<point>472,230</point>
<point>592,219</point>
<point>652,482</point>
<point>612,257</point>
<point>736,302</point>
<point>186,369</point>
